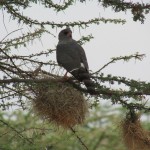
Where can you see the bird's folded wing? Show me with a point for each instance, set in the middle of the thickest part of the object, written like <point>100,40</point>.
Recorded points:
<point>67,57</point>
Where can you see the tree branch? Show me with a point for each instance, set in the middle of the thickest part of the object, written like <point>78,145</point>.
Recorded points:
<point>17,132</point>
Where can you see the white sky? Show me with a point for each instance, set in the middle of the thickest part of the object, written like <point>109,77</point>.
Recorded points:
<point>110,40</point>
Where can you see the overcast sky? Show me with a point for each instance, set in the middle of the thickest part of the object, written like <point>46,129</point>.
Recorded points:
<point>110,40</point>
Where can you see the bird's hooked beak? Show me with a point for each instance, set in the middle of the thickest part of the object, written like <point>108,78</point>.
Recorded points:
<point>69,34</point>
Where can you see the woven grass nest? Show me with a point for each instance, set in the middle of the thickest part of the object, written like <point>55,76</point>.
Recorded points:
<point>134,136</point>
<point>60,103</point>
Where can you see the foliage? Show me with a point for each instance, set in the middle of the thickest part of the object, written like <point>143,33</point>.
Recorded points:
<point>25,131</point>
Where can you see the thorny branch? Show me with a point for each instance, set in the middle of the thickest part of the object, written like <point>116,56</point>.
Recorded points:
<point>79,138</point>
<point>138,10</point>
<point>116,96</point>
<point>29,21</point>
<point>125,58</point>
<point>21,40</point>
<point>17,132</point>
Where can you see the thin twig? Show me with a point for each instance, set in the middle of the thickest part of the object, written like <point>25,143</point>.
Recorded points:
<point>4,21</point>
<point>18,133</point>
<point>125,58</point>
<point>10,34</point>
<point>79,138</point>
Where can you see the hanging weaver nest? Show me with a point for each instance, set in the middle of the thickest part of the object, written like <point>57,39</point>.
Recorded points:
<point>60,103</point>
<point>134,136</point>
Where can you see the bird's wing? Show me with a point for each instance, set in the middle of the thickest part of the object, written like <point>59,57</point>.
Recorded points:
<point>68,56</point>
<point>82,54</point>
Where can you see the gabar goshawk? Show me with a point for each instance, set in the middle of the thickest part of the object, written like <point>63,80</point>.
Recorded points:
<point>72,57</point>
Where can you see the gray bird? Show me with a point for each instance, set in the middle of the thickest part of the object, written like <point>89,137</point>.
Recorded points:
<point>72,57</point>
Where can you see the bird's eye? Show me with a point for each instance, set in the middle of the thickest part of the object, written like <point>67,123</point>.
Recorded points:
<point>65,32</point>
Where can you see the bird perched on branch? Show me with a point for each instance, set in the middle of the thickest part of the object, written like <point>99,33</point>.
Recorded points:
<point>72,57</point>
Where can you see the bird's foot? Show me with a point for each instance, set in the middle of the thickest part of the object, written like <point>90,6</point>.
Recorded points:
<point>65,78</point>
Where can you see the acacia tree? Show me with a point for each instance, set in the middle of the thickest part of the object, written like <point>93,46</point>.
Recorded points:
<point>19,73</point>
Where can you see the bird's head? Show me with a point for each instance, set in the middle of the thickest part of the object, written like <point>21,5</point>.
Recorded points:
<point>65,34</point>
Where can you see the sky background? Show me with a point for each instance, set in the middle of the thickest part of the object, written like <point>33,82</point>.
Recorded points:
<point>110,40</point>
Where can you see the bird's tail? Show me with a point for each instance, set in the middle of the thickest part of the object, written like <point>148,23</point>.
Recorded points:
<point>90,86</point>
<point>83,75</point>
